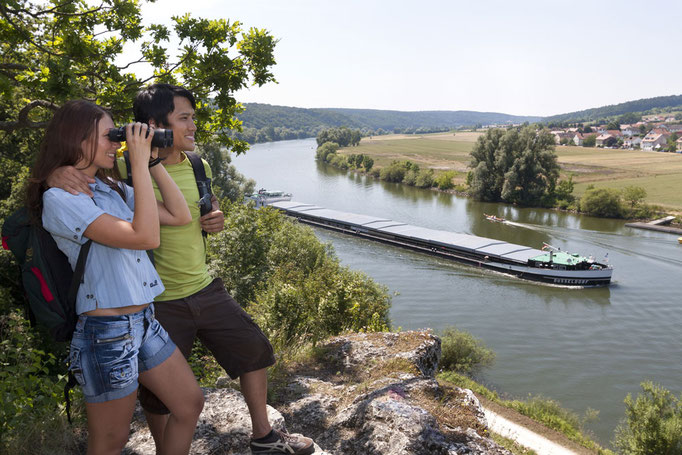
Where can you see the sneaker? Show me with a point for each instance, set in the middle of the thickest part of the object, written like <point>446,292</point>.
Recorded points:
<point>279,442</point>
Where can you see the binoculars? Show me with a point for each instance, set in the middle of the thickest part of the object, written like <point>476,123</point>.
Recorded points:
<point>162,138</point>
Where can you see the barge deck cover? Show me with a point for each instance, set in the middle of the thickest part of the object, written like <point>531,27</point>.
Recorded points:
<point>480,245</point>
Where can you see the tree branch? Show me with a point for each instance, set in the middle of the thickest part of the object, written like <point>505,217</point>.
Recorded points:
<point>23,121</point>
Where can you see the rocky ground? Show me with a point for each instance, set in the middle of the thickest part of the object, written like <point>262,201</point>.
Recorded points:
<point>356,394</point>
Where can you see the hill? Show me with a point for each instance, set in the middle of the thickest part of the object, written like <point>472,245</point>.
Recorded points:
<point>264,122</point>
<point>604,112</point>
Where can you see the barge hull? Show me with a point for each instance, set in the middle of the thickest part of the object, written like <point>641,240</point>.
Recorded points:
<point>496,255</point>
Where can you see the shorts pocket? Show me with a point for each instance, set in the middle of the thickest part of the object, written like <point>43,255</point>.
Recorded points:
<point>122,374</point>
<point>75,365</point>
<point>110,350</point>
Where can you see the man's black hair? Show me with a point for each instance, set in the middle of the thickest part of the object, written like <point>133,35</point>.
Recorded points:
<point>156,102</point>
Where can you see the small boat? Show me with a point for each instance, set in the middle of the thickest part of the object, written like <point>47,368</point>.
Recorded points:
<point>679,240</point>
<point>264,197</point>
<point>493,218</point>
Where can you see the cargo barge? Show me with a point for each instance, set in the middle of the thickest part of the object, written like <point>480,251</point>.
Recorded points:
<point>553,266</point>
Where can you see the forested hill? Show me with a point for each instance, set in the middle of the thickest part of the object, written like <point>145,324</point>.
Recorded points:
<point>599,113</point>
<point>266,122</point>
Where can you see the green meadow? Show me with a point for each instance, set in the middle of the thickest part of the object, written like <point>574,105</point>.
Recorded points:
<point>659,173</point>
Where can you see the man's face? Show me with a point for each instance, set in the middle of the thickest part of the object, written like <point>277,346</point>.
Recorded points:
<point>181,121</point>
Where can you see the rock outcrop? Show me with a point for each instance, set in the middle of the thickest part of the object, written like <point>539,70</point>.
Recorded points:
<point>372,393</point>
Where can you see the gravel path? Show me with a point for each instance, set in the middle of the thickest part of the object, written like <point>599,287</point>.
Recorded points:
<point>523,436</point>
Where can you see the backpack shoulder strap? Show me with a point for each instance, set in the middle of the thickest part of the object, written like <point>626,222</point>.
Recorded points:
<point>197,166</point>
<point>129,175</point>
<point>78,272</point>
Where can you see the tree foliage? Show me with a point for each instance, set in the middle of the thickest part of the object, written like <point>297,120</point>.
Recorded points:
<point>604,202</point>
<point>590,140</point>
<point>54,51</point>
<point>343,136</point>
<point>227,182</point>
<point>292,284</point>
<point>514,166</point>
<point>653,423</point>
<point>634,195</point>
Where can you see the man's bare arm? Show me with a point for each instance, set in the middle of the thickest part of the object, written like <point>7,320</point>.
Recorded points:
<point>70,179</point>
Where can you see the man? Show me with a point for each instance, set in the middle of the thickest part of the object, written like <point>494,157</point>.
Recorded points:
<point>194,305</point>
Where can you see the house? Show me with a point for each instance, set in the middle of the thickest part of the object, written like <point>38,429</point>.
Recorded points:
<point>675,128</point>
<point>632,142</point>
<point>629,130</point>
<point>653,141</point>
<point>606,140</point>
<point>678,144</point>
<point>578,139</point>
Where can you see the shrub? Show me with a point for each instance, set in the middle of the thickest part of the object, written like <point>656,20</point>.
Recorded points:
<point>410,177</point>
<point>424,179</point>
<point>293,285</point>
<point>394,172</point>
<point>653,423</point>
<point>339,161</point>
<point>367,163</point>
<point>604,202</point>
<point>444,180</point>
<point>32,407</point>
<point>462,353</point>
<point>634,195</point>
<point>325,150</point>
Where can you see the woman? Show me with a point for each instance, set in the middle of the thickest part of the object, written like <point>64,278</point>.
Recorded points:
<point>117,342</point>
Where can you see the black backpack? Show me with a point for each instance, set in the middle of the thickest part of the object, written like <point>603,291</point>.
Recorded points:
<point>51,286</point>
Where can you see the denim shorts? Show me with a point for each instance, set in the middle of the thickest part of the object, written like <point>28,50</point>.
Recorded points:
<point>109,352</point>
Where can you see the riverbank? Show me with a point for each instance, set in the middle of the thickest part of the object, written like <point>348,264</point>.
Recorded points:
<point>660,174</point>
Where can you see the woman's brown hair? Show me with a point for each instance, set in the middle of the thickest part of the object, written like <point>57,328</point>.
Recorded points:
<point>72,124</point>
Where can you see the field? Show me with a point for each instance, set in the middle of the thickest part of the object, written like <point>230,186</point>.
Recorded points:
<point>659,173</point>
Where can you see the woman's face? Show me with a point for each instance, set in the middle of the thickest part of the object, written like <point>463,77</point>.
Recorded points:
<point>105,149</point>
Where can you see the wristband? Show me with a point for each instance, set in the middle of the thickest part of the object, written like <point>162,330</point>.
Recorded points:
<point>154,161</point>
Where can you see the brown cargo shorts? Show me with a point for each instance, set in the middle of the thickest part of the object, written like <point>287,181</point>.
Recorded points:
<point>212,315</point>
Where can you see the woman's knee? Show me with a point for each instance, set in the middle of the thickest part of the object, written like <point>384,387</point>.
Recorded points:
<point>111,441</point>
<point>190,407</point>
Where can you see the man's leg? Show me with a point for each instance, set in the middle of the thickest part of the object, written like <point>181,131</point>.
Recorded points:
<point>254,385</point>
<point>177,319</point>
<point>243,350</point>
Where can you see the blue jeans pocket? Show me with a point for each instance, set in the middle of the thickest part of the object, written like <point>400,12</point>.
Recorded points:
<point>122,374</point>
<point>113,349</point>
<point>75,365</point>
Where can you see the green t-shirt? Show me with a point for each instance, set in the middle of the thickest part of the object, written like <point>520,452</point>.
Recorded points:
<point>180,259</point>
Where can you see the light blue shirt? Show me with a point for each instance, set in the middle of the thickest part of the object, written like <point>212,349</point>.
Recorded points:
<point>114,277</point>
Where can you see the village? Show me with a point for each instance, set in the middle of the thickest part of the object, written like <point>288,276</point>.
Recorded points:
<point>653,133</point>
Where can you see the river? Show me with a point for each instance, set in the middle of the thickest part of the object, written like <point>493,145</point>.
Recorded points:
<point>586,348</point>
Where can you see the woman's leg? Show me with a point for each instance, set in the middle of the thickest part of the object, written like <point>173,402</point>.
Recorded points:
<point>174,383</point>
<point>109,425</point>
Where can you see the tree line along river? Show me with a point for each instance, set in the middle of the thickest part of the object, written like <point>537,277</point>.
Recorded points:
<point>586,348</point>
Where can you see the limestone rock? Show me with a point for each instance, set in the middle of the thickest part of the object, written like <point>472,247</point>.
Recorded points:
<point>375,404</point>
<point>224,427</point>
<point>366,394</point>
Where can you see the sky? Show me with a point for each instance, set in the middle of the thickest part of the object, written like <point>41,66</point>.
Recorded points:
<point>517,57</point>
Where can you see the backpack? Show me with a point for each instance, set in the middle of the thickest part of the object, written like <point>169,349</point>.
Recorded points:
<point>51,286</point>
<point>203,182</point>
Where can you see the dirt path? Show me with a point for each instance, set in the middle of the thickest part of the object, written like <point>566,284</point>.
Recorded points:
<point>529,433</point>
